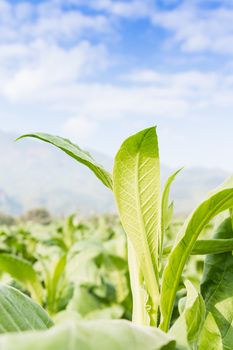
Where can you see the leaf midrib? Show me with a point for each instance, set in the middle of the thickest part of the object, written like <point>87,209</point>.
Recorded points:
<point>142,222</point>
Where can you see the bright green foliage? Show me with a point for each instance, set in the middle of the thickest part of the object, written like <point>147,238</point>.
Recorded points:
<point>69,232</point>
<point>167,209</point>
<point>208,246</point>
<point>91,335</point>
<point>231,216</point>
<point>96,263</point>
<point>85,268</point>
<point>139,294</point>
<point>77,153</point>
<point>23,271</point>
<point>52,283</point>
<point>20,313</point>
<point>100,278</point>
<point>136,186</point>
<point>211,337</point>
<point>216,288</point>
<point>220,200</point>
<point>188,326</point>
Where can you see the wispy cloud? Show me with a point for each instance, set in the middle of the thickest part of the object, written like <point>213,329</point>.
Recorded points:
<point>125,9</point>
<point>195,29</point>
<point>46,67</point>
<point>47,21</point>
<point>144,93</point>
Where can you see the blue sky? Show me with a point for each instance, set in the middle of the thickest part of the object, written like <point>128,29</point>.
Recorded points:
<point>98,70</point>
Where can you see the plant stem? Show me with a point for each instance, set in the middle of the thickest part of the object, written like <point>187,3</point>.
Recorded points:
<point>139,314</point>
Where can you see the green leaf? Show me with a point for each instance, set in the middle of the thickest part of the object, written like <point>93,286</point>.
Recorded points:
<point>231,216</point>
<point>107,313</point>
<point>90,335</point>
<point>188,326</point>
<point>139,294</point>
<point>69,231</point>
<point>208,246</point>
<point>84,302</point>
<point>167,210</point>
<point>21,270</point>
<point>77,153</point>
<point>53,283</point>
<point>211,337</point>
<point>218,201</point>
<point>136,185</point>
<point>20,313</point>
<point>216,288</point>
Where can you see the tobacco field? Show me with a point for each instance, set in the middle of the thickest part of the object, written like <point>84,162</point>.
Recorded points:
<point>138,280</point>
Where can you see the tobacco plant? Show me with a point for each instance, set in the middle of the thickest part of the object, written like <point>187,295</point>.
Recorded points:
<point>156,270</point>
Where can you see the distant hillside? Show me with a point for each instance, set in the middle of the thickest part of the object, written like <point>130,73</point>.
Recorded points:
<point>34,174</point>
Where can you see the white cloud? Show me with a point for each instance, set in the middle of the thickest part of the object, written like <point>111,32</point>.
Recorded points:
<point>197,30</point>
<point>186,80</point>
<point>43,47</point>
<point>79,128</point>
<point>179,95</point>
<point>106,102</point>
<point>191,27</point>
<point>134,8</point>
<point>67,26</point>
<point>38,70</point>
<point>149,93</point>
<point>47,67</point>
<point>47,21</point>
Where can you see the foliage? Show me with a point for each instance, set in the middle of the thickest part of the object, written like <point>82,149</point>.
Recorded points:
<point>20,313</point>
<point>149,270</point>
<point>72,335</point>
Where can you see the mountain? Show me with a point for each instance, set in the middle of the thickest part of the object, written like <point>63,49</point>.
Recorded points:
<point>34,174</point>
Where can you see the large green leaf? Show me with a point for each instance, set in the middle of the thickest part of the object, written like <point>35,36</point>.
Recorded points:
<point>90,335</point>
<point>211,337</point>
<point>20,313</point>
<point>136,185</point>
<point>217,290</point>
<point>188,326</point>
<point>218,201</point>
<point>208,246</point>
<point>21,270</point>
<point>77,153</point>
